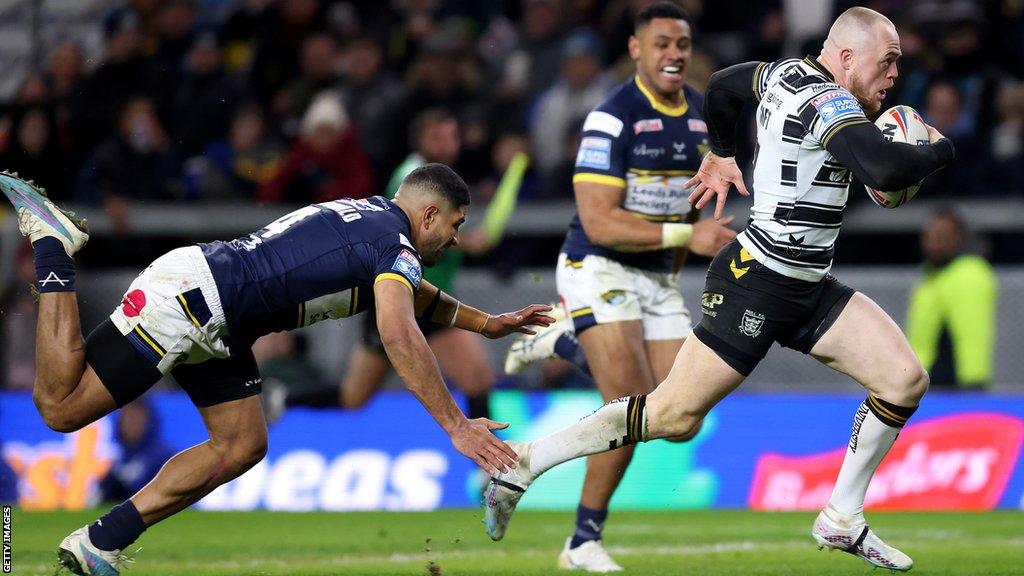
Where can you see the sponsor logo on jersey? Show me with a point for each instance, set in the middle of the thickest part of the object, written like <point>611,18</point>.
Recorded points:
<point>643,150</point>
<point>709,300</point>
<point>751,323</point>
<point>409,266</point>
<point>679,147</point>
<point>603,122</point>
<point>697,125</point>
<point>648,125</point>
<point>595,153</point>
<point>836,104</point>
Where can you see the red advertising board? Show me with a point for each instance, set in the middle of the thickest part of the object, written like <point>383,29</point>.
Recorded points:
<point>959,462</point>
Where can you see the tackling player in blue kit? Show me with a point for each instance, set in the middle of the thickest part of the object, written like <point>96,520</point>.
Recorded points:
<point>195,312</point>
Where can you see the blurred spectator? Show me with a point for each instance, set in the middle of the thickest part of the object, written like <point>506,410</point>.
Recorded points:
<point>325,161</point>
<point>251,20</point>
<point>33,91</point>
<point>143,452</point>
<point>206,97</point>
<point>123,73</point>
<point>65,76</point>
<point>236,166</point>
<point>276,55</point>
<point>435,138</point>
<point>173,26</point>
<point>536,63</point>
<point>1005,151</point>
<point>442,77</point>
<point>944,111</point>
<point>137,162</point>
<point>36,153</point>
<point>18,322</point>
<point>581,87</point>
<point>318,71</point>
<point>951,316</point>
<point>557,183</point>
<point>373,95</point>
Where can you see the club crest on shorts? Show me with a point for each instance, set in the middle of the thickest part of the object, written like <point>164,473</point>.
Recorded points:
<point>614,297</point>
<point>751,323</point>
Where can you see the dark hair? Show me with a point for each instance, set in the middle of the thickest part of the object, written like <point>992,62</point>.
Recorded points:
<point>440,180</point>
<point>662,9</point>
<point>425,119</point>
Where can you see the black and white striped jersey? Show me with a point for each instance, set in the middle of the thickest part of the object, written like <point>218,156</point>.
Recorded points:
<point>800,190</point>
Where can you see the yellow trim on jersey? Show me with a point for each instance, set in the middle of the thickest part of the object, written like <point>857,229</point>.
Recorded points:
<point>581,312</point>
<point>149,340</point>
<point>674,111</point>
<point>599,179</point>
<point>835,129</point>
<point>662,172</point>
<point>301,321</point>
<point>354,304</point>
<point>657,217</point>
<point>392,276</point>
<point>184,306</point>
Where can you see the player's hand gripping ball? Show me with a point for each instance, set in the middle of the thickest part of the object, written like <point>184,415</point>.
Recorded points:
<point>899,124</point>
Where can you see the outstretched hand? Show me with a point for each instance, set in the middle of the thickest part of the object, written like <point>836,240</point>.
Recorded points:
<point>502,325</point>
<point>473,439</point>
<point>713,179</point>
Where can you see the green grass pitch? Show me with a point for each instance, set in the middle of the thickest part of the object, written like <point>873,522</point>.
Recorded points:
<point>453,542</point>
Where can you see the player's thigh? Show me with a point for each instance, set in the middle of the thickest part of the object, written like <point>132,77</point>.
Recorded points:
<point>698,380</point>
<point>462,357</point>
<point>661,356</point>
<point>237,430</point>
<point>365,373</point>
<point>865,343</point>
<point>617,358</point>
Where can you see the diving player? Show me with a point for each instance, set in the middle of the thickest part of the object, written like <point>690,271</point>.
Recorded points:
<point>195,312</point>
<point>772,284</point>
<point>616,274</point>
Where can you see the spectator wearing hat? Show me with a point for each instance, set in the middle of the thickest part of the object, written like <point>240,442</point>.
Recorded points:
<point>581,87</point>
<point>325,161</point>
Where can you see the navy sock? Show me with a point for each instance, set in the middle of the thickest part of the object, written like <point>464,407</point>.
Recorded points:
<point>118,528</point>
<point>589,524</point>
<point>567,346</point>
<point>55,270</point>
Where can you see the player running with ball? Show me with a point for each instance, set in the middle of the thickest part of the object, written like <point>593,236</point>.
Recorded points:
<point>772,284</point>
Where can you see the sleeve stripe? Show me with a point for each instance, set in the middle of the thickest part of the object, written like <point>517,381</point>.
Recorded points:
<point>758,80</point>
<point>836,128</point>
<point>599,179</point>
<point>392,276</point>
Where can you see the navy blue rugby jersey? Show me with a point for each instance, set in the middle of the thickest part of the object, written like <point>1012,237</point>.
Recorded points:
<point>649,149</point>
<point>315,263</point>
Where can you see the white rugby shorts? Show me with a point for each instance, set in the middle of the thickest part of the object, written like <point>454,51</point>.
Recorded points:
<point>172,312</point>
<point>598,290</point>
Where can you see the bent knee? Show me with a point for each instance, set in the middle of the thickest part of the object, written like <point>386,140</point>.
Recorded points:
<point>672,422</point>
<point>240,455</point>
<point>908,386</point>
<point>56,418</point>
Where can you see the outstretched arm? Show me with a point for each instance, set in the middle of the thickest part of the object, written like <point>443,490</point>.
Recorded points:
<point>416,365</point>
<point>728,92</point>
<point>436,306</point>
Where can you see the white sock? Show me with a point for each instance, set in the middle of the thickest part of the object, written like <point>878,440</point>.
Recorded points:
<point>616,424</point>
<point>875,427</point>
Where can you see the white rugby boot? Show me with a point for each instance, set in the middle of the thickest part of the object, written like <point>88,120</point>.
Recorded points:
<point>527,348</point>
<point>504,491</point>
<point>78,554</point>
<point>38,217</point>
<point>587,557</point>
<point>856,538</point>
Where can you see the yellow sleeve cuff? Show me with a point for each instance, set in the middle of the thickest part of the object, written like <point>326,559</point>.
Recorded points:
<point>599,179</point>
<point>392,276</point>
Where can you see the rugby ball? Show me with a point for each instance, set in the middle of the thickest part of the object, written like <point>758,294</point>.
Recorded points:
<point>899,124</point>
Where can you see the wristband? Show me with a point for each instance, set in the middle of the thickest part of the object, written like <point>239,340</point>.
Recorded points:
<point>675,235</point>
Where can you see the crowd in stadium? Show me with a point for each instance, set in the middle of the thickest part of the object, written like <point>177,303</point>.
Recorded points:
<point>211,100</point>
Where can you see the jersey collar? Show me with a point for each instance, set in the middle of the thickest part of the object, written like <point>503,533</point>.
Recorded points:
<point>673,111</point>
<point>813,63</point>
